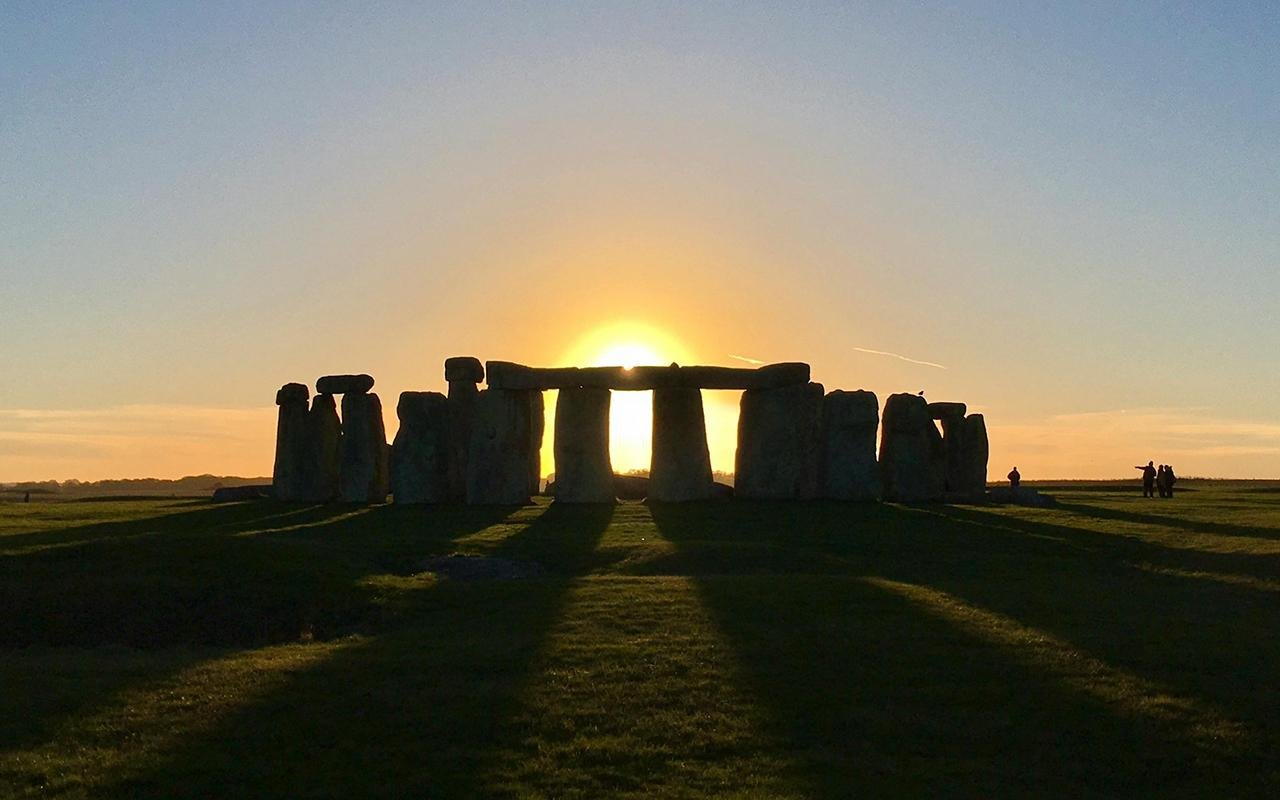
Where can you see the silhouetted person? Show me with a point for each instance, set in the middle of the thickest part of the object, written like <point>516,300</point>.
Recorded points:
<point>1148,479</point>
<point>26,498</point>
<point>1160,482</point>
<point>1169,479</point>
<point>1015,478</point>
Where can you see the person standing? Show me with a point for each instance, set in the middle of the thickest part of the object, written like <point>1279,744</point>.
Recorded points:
<point>1014,478</point>
<point>1160,484</point>
<point>1148,479</point>
<point>1169,478</point>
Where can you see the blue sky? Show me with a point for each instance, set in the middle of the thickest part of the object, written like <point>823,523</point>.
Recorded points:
<point>1074,208</point>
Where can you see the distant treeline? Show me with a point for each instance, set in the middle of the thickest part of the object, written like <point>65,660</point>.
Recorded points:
<point>194,485</point>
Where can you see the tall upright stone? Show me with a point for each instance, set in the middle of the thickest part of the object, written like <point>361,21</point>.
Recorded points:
<point>974,457</point>
<point>780,443</point>
<point>462,373</point>
<point>364,450</point>
<point>907,459</point>
<point>325,434</point>
<point>537,429</point>
<point>420,453</point>
<point>290,473</point>
<point>680,462</point>
<point>498,460</point>
<point>583,471</point>
<point>849,423</point>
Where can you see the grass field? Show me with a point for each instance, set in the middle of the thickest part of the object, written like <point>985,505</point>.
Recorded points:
<point>1110,646</point>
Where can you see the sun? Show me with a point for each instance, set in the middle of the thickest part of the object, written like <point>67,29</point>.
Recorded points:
<point>626,344</point>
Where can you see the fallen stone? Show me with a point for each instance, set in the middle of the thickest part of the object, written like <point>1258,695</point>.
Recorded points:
<point>499,458</point>
<point>849,426</point>
<point>944,410</point>
<point>1022,496</point>
<point>364,477</point>
<point>230,494</point>
<point>680,462</point>
<point>780,443</point>
<point>906,451</point>
<point>344,384</point>
<point>581,444</point>
<point>631,487</point>
<point>291,473</point>
<point>420,452</point>
<point>325,434</point>
<point>463,368</point>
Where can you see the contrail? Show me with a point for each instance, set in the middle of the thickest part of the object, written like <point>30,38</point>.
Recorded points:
<point>748,360</point>
<point>899,357</point>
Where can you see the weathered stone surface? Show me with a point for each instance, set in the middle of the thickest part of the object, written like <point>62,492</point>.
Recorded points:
<point>537,428</point>
<point>420,453</point>
<point>506,375</point>
<point>849,424</point>
<point>944,411</point>
<point>498,461</point>
<point>907,459</point>
<point>344,384</point>
<point>291,393</point>
<point>974,456</point>
<point>364,450</point>
<point>462,411</point>
<point>780,443</point>
<point>325,433</point>
<point>463,368</point>
<point>291,472</point>
<point>583,471</point>
<point>680,462</point>
<point>630,487</point>
<point>1022,496</point>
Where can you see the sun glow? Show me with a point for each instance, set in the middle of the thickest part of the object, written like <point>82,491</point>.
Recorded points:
<point>628,345</point>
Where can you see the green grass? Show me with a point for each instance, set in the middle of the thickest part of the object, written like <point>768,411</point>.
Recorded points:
<point>1110,646</point>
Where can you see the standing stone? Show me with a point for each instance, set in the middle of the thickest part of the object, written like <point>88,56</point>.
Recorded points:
<point>462,374</point>
<point>680,463</point>
<point>326,448</point>
<point>973,458</point>
<point>498,461</point>
<point>364,450</point>
<point>780,443</point>
<point>420,453</point>
<point>537,428</point>
<point>951,415</point>
<point>907,460</point>
<point>290,473</point>
<point>849,422</point>
<point>583,471</point>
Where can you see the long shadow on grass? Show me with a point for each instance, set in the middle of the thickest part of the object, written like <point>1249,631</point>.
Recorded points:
<point>416,707</point>
<point>208,577</point>
<point>879,693</point>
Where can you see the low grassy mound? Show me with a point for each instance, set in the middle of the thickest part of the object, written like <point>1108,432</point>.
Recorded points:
<point>1109,646</point>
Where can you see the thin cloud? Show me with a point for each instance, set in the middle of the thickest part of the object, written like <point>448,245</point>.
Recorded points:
<point>754,361</point>
<point>900,357</point>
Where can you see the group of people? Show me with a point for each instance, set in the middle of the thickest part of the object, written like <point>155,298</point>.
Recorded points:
<point>1157,480</point>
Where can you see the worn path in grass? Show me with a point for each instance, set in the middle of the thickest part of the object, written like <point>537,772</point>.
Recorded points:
<point>1114,645</point>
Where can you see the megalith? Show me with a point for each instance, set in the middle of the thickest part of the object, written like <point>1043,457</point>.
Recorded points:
<point>498,460</point>
<point>780,443</point>
<point>849,423</point>
<point>907,451</point>
<point>344,384</point>
<point>420,453</point>
<point>584,473</point>
<point>537,429</point>
<point>974,456</point>
<point>326,448</point>
<point>364,469</point>
<point>290,474</point>
<point>462,373</point>
<point>680,463</point>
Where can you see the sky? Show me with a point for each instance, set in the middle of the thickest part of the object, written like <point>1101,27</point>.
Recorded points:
<point>1067,216</point>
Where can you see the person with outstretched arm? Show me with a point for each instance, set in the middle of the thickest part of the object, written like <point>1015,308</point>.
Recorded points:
<point>1148,479</point>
